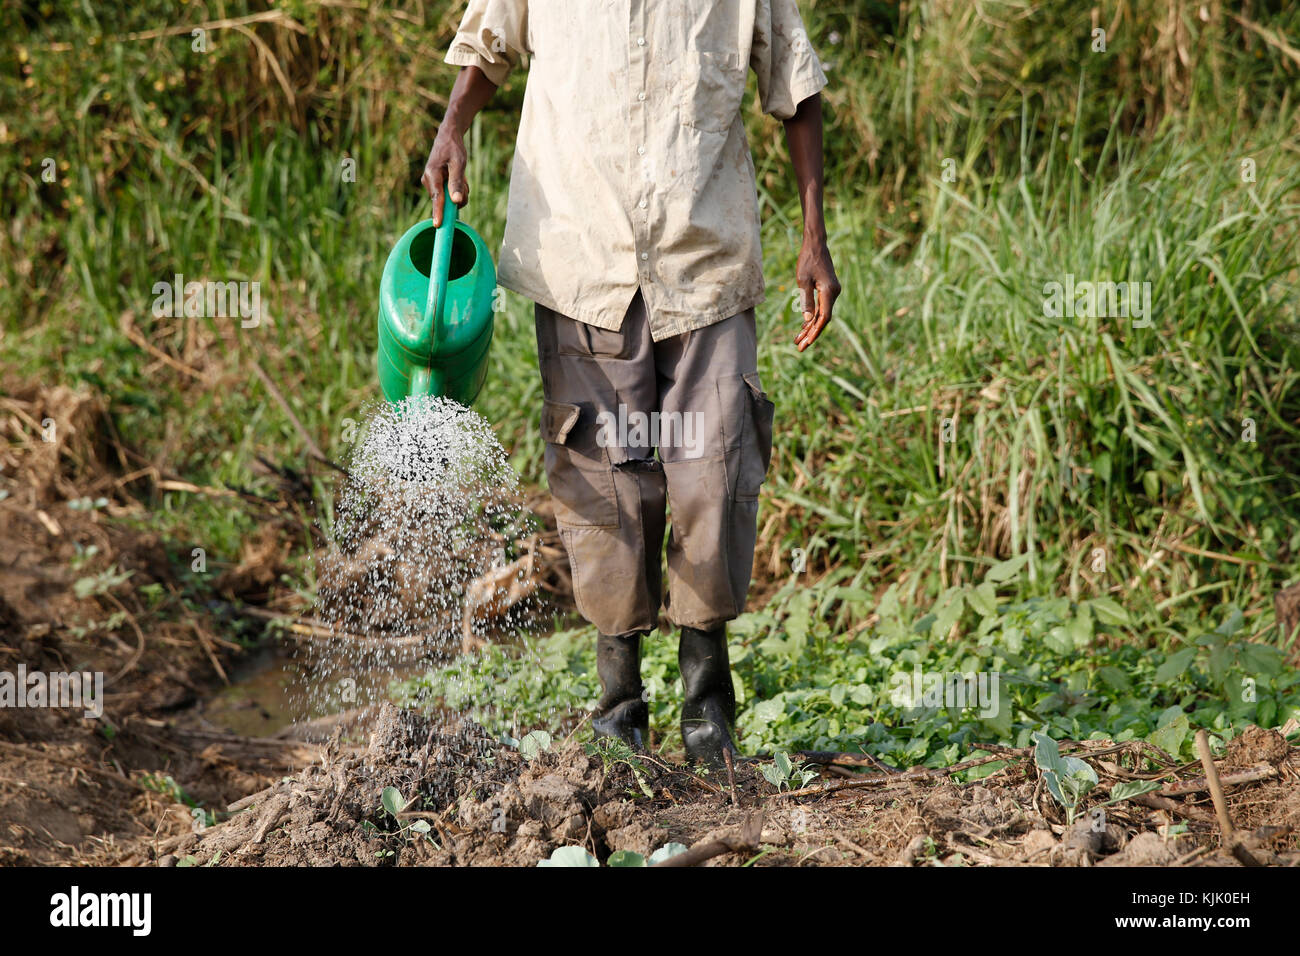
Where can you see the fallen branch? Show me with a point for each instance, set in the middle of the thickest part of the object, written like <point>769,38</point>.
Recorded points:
<point>1154,802</point>
<point>835,758</point>
<point>1182,788</point>
<point>1228,831</point>
<point>746,841</point>
<point>885,779</point>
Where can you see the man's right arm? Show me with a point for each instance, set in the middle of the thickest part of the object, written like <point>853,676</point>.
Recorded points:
<point>447,158</point>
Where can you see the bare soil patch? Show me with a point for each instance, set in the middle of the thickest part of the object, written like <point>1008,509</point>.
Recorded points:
<point>124,789</point>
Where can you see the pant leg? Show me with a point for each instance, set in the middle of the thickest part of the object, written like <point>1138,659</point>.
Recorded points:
<point>709,379</point>
<point>609,490</point>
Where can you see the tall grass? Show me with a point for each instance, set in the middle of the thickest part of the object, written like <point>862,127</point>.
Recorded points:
<point>1069,436</point>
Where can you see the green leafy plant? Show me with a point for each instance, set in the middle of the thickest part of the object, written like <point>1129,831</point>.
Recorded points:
<point>534,743</point>
<point>1068,779</point>
<point>613,751</point>
<point>569,856</point>
<point>784,775</point>
<point>96,584</point>
<point>166,785</point>
<point>577,856</point>
<point>395,804</point>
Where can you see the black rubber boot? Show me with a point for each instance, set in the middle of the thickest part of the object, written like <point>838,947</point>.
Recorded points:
<point>621,711</point>
<point>709,704</point>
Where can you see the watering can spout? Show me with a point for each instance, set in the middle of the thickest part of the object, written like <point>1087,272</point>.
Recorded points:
<point>435,311</point>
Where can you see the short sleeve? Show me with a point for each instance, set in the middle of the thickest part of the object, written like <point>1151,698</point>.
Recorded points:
<point>493,35</point>
<point>783,59</point>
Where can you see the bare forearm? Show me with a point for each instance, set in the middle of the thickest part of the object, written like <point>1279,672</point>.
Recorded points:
<point>469,94</point>
<point>815,272</point>
<point>446,164</point>
<point>803,133</point>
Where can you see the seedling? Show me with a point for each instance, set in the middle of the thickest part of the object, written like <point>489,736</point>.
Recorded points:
<point>785,775</point>
<point>396,805</point>
<point>612,751</point>
<point>534,743</point>
<point>1068,778</point>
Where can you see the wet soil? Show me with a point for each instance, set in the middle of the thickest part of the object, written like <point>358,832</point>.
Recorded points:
<point>160,779</point>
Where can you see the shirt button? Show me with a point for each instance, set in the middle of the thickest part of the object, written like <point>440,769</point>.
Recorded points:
<point>640,150</point>
<point>641,95</point>
<point>645,256</point>
<point>640,41</point>
<point>642,204</point>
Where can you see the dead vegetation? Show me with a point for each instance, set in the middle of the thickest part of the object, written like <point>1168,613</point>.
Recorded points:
<point>484,804</point>
<point>138,786</point>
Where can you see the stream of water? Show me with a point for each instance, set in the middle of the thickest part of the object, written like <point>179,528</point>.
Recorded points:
<point>430,509</point>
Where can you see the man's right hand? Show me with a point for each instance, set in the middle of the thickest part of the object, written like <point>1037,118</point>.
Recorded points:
<point>446,166</point>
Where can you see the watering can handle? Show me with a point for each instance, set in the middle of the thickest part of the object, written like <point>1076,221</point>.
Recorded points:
<point>439,269</point>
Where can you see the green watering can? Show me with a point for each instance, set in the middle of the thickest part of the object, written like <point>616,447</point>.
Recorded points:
<point>435,312</point>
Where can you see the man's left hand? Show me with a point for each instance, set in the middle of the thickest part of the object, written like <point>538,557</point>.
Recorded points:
<point>818,287</point>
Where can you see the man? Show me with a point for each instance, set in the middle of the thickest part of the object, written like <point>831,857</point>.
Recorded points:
<point>633,225</point>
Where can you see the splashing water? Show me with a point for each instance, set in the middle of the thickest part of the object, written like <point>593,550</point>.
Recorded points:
<point>425,528</point>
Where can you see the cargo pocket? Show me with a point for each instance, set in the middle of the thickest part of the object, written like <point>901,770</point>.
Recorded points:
<point>713,84</point>
<point>747,428</point>
<point>589,341</point>
<point>578,469</point>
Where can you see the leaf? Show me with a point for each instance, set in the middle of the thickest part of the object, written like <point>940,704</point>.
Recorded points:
<point>888,609</point>
<point>783,765</point>
<point>1059,640</point>
<point>1101,467</point>
<point>1006,570</point>
<point>1081,772</point>
<point>570,856</point>
<point>983,599</point>
<point>769,710</point>
<point>1108,612</point>
<point>1127,789</point>
<point>1233,622</point>
<point>1260,659</point>
<point>625,858</point>
<point>1080,630</point>
<point>421,826</point>
<point>1047,755</point>
<point>392,800</point>
<point>948,615</point>
<point>1175,664</point>
<point>1114,678</point>
<point>1266,716</point>
<point>1054,787</point>
<point>666,851</point>
<point>534,743</point>
<point>1001,719</point>
<point>1171,736</point>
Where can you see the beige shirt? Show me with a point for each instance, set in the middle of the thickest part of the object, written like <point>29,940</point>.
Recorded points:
<point>632,168</point>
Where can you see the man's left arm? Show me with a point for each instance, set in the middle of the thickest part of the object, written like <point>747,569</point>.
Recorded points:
<point>815,273</point>
<point>790,80</point>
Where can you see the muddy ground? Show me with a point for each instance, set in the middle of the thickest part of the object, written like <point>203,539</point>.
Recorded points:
<point>153,782</point>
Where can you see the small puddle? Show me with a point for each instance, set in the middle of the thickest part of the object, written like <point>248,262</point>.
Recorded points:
<point>272,690</point>
<point>426,546</point>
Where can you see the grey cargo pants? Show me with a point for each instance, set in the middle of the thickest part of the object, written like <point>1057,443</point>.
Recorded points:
<point>611,400</point>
